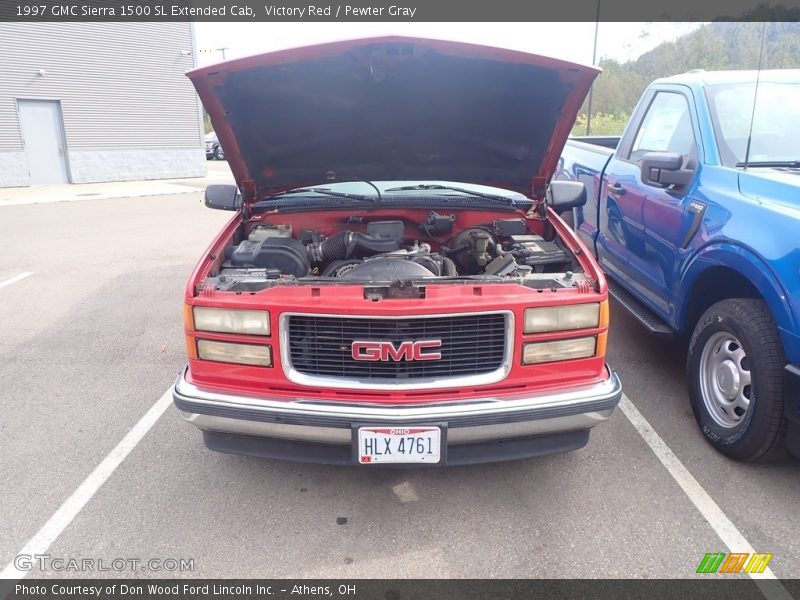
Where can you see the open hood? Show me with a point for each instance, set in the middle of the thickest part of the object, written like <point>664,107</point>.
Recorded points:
<point>392,108</point>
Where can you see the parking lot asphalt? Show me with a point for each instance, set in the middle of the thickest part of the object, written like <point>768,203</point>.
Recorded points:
<point>93,338</point>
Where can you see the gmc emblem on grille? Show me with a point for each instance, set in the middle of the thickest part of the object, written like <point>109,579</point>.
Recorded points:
<point>386,351</point>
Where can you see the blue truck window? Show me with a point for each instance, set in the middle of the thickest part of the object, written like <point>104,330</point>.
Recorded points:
<point>776,127</point>
<point>667,127</point>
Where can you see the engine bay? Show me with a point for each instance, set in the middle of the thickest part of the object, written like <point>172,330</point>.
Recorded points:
<point>390,250</point>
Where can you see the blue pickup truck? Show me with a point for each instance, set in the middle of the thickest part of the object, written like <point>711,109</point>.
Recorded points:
<point>694,213</point>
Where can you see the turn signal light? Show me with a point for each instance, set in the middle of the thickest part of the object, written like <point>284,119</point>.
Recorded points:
<point>243,354</point>
<point>542,352</point>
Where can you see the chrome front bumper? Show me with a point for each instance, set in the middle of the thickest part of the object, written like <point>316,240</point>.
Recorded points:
<point>474,421</point>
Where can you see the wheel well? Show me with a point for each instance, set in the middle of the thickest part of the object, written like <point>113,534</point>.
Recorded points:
<point>713,285</point>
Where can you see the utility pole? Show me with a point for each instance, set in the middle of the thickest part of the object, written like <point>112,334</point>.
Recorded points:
<point>223,51</point>
<point>594,60</point>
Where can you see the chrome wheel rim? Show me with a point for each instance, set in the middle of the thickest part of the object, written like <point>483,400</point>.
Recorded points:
<point>725,379</point>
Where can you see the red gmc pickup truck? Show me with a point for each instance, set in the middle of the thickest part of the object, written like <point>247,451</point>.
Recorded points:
<point>395,286</point>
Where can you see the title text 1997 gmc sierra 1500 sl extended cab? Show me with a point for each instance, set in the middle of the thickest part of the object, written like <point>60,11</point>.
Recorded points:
<point>694,213</point>
<point>395,286</point>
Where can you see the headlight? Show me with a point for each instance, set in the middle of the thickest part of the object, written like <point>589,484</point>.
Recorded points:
<point>222,320</point>
<point>245,354</point>
<point>541,352</point>
<point>562,318</point>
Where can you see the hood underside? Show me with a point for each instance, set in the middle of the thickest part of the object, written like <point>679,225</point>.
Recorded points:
<point>392,109</point>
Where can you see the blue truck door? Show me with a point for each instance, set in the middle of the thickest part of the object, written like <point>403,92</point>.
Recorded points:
<point>665,214</point>
<point>621,237</point>
<point>669,212</point>
<point>620,221</point>
<point>621,231</point>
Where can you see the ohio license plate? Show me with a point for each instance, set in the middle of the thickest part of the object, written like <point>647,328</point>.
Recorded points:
<point>378,445</point>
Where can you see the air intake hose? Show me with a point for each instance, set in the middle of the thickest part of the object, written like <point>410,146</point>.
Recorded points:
<point>347,244</point>
<point>334,248</point>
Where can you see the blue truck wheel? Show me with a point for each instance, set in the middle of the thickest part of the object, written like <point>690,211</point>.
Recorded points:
<point>735,372</point>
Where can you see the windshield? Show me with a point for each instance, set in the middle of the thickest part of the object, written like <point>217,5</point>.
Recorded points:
<point>776,127</point>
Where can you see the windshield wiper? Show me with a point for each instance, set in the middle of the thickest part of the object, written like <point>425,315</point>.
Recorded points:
<point>324,192</point>
<point>270,201</point>
<point>435,186</point>
<point>791,164</point>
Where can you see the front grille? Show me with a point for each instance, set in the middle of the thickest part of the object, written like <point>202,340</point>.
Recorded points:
<point>471,345</point>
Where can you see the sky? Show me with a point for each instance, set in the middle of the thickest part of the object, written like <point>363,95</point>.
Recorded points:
<point>567,41</point>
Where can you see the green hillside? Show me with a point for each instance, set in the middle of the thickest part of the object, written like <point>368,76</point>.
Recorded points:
<point>717,46</point>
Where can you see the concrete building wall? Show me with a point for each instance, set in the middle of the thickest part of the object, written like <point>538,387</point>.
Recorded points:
<point>128,110</point>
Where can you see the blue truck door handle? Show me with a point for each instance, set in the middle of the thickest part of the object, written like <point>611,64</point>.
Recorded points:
<point>616,189</point>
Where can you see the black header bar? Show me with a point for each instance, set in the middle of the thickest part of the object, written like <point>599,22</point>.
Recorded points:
<point>32,11</point>
<point>712,588</point>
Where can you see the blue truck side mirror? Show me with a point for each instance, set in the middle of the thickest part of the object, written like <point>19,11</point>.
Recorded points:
<point>663,169</point>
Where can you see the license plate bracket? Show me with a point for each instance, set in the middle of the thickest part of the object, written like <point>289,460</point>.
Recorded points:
<point>408,432</point>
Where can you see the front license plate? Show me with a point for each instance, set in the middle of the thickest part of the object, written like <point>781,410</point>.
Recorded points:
<point>399,445</point>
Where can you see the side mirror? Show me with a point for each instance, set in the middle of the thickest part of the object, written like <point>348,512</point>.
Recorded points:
<point>566,195</point>
<point>223,197</point>
<point>663,169</point>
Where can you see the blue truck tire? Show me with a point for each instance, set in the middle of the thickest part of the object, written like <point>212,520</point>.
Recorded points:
<point>735,375</point>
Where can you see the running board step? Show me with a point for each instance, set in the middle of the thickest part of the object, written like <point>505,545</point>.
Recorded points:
<point>642,314</point>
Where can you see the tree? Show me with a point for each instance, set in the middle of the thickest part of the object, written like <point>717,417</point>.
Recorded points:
<point>716,46</point>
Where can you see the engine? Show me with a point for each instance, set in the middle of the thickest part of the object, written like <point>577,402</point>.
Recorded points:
<point>383,253</point>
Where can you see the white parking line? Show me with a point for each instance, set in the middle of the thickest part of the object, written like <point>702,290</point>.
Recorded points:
<point>15,279</point>
<point>713,514</point>
<point>719,521</point>
<point>67,512</point>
